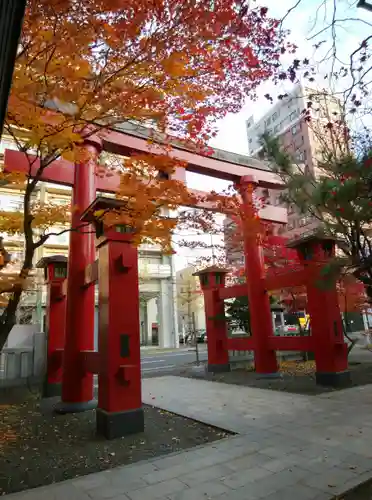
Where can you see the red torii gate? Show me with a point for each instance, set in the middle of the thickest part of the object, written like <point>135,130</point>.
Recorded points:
<point>79,359</point>
<point>326,340</point>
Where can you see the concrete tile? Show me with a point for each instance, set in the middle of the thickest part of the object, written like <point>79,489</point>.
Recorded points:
<point>201,476</point>
<point>164,474</point>
<point>91,481</point>
<point>357,463</point>
<point>59,491</point>
<point>276,452</point>
<point>238,479</point>
<point>116,488</point>
<point>260,488</point>
<point>297,491</point>
<point>279,464</point>
<point>159,490</point>
<point>247,462</point>
<point>239,494</point>
<point>202,491</point>
<point>328,480</point>
<point>166,462</point>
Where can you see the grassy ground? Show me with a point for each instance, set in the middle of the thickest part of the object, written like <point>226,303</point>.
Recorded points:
<point>297,377</point>
<point>38,448</point>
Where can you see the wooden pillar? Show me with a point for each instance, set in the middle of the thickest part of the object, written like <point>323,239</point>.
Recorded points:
<point>258,297</point>
<point>55,271</point>
<point>212,279</point>
<point>330,349</point>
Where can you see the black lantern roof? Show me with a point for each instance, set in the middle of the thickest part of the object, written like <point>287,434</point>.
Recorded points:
<point>101,203</point>
<point>53,259</point>
<point>211,269</point>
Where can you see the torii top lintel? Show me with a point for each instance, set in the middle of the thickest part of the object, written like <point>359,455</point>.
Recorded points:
<point>221,164</point>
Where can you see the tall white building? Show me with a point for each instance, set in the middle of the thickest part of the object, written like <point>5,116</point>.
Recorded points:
<point>158,314</point>
<point>299,137</point>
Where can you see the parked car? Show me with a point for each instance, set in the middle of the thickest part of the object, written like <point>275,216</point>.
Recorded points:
<point>200,336</point>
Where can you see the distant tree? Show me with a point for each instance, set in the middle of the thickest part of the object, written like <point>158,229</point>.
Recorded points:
<point>337,194</point>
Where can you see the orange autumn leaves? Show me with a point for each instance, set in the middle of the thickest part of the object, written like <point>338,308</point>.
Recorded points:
<point>179,64</point>
<point>174,66</point>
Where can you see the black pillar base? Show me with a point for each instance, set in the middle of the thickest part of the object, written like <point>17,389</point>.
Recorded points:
<point>333,379</point>
<point>64,407</point>
<point>51,390</point>
<point>219,368</point>
<point>119,424</point>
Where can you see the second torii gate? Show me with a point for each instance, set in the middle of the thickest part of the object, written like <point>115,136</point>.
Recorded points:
<point>77,384</point>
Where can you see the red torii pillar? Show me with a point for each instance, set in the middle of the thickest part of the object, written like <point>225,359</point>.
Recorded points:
<point>77,385</point>
<point>55,272</point>
<point>330,349</point>
<point>258,297</point>
<point>212,279</point>
<point>118,360</point>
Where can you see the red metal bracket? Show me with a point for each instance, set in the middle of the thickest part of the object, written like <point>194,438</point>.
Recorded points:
<point>122,264</point>
<point>122,374</point>
<point>55,358</point>
<point>57,290</point>
<point>90,361</point>
<point>91,273</point>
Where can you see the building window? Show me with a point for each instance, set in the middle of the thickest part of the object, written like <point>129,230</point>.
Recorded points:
<point>294,130</point>
<point>275,116</point>
<point>300,156</point>
<point>303,222</point>
<point>61,239</point>
<point>11,203</point>
<point>58,201</point>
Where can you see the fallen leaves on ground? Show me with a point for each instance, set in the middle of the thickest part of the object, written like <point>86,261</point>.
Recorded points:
<point>38,447</point>
<point>297,368</point>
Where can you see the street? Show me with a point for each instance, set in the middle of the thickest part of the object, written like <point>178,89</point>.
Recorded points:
<point>154,363</point>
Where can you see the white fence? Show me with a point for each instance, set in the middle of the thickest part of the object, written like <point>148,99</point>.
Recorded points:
<point>23,365</point>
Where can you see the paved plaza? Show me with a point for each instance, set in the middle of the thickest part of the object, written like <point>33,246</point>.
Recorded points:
<point>287,446</point>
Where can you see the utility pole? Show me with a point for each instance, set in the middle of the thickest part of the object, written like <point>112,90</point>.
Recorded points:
<point>11,19</point>
<point>212,247</point>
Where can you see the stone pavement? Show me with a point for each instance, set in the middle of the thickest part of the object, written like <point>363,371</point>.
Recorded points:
<point>289,446</point>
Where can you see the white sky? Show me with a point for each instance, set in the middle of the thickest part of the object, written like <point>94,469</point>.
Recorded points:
<point>300,22</point>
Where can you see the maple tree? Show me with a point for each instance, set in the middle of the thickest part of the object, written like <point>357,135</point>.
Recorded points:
<point>85,66</point>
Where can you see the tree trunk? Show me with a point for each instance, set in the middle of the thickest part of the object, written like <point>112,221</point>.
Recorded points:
<point>8,318</point>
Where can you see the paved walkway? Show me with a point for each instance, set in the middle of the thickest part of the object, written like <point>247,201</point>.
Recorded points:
<point>289,446</point>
